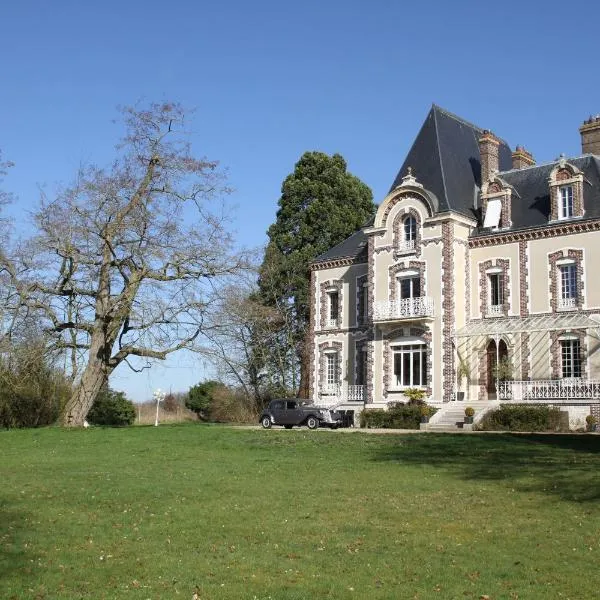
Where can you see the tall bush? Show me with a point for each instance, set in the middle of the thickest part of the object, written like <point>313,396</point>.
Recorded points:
<point>111,408</point>
<point>519,417</point>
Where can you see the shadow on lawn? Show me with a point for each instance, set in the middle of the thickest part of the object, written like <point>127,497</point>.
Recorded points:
<point>13,556</point>
<point>567,466</point>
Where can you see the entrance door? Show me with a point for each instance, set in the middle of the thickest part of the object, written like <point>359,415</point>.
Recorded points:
<point>492,357</point>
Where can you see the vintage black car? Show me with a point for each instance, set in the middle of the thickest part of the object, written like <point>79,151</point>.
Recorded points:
<point>298,412</point>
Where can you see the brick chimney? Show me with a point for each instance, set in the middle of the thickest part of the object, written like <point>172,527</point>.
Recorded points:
<point>488,149</point>
<point>521,158</point>
<point>590,136</point>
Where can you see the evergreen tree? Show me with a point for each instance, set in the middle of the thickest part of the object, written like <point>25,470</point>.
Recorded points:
<point>321,204</point>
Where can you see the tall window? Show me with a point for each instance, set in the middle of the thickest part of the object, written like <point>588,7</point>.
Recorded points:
<point>332,368</point>
<point>409,287</point>
<point>565,208</point>
<point>570,358</point>
<point>568,286</point>
<point>361,366</point>
<point>410,365</point>
<point>410,231</point>
<point>364,302</point>
<point>334,308</point>
<point>496,292</point>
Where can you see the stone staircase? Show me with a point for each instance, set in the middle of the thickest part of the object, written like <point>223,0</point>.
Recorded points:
<point>451,416</point>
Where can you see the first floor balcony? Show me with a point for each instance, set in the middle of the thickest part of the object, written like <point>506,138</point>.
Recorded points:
<point>403,309</point>
<point>333,394</point>
<point>550,391</point>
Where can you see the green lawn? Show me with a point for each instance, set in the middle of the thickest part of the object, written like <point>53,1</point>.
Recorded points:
<point>152,513</point>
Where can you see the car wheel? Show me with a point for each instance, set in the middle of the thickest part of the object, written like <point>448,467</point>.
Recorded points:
<point>266,422</point>
<point>312,422</point>
<point>288,426</point>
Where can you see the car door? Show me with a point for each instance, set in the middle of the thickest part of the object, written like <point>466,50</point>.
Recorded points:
<point>293,413</point>
<point>278,412</point>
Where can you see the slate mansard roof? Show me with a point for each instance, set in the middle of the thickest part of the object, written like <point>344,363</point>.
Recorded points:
<point>445,159</point>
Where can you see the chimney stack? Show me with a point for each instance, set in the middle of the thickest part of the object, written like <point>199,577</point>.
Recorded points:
<point>590,136</point>
<point>488,149</point>
<point>521,158</point>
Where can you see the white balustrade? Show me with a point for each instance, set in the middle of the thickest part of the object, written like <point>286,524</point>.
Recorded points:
<point>336,393</point>
<point>495,310</point>
<point>566,303</point>
<point>551,390</point>
<point>406,246</point>
<point>406,308</point>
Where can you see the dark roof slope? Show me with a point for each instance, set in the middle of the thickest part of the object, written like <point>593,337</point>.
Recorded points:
<point>445,159</point>
<point>531,197</point>
<point>352,247</point>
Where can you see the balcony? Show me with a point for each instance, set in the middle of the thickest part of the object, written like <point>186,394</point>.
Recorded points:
<point>334,394</point>
<point>551,391</point>
<point>405,309</point>
<point>495,310</point>
<point>567,304</point>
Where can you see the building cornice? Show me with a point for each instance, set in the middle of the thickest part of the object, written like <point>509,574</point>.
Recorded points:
<point>337,262</point>
<point>509,237</point>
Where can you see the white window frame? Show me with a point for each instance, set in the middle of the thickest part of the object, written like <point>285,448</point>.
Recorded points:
<point>332,368</point>
<point>333,319</point>
<point>409,349</point>
<point>567,272</point>
<point>571,363</point>
<point>411,276</point>
<point>566,205</point>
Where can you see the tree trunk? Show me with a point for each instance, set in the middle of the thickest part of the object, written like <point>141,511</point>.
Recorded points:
<point>304,388</point>
<point>78,406</point>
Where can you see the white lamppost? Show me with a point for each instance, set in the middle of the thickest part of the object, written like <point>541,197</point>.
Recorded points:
<point>159,396</point>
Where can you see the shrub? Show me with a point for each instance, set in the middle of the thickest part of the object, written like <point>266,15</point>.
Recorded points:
<point>170,403</point>
<point>469,411</point>
<point>415,395</point>
<point>32,391</point>
<point>111,408</point>
<point>590,421</point>
<point>200,398</point>
<point>398,416</point>
<point>519,417</point>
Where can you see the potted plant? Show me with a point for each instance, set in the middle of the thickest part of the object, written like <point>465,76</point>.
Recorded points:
<point>414,395</point>
<point>462,372</point>
<point>469,413</point>
<point>591,423</point>
<point>425,413</point>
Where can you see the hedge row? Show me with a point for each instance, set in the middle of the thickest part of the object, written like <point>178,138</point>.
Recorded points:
<point>525,418</point>
<point>399,416</point>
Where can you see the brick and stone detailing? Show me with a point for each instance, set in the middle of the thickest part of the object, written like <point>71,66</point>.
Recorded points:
<point>484,285</point>
<point>555,282</point>
<point>388,364</point>
<point>590,136</point>
<point>311,328</point>
<point>362,313</point>
<point>369,391</point>
<point>325,287</point>
<point>521,158</point>
<point>323,350</point>
<point>398,230</point>
<point>448,310</point>
<point>488,150</point>
<point>566,176</point>
<point>467,283</point>
<point>523,279</point>
<point>413,265</point>
<point>482,380</point>
<point>525,357</point>
<point>555,351</point>
<point>359,347</point>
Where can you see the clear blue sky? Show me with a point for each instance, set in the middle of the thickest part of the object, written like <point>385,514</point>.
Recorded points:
<point>272,79</point>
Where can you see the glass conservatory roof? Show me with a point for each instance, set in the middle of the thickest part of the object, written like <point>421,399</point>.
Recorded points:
<point>507,325</point>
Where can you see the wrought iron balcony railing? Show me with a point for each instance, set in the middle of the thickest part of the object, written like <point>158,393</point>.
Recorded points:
<point>406,308</point>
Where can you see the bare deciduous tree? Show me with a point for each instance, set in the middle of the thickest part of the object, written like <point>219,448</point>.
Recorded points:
<point>126,261</point>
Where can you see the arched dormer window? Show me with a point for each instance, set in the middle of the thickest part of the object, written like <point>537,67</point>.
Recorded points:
<point>407,232</point>
<point>566,192</point>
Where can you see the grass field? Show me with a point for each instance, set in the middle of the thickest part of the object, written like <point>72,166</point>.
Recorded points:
<point>148,513</point>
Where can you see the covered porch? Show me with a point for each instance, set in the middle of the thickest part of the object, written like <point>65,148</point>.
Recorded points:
<point>546,358</point>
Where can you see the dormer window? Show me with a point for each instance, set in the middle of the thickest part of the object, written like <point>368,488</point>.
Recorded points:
<point>566,192</point>
<point>492,213</point>
<point>565,209</point>
<point>496,205</point>
<point>407,234</point>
